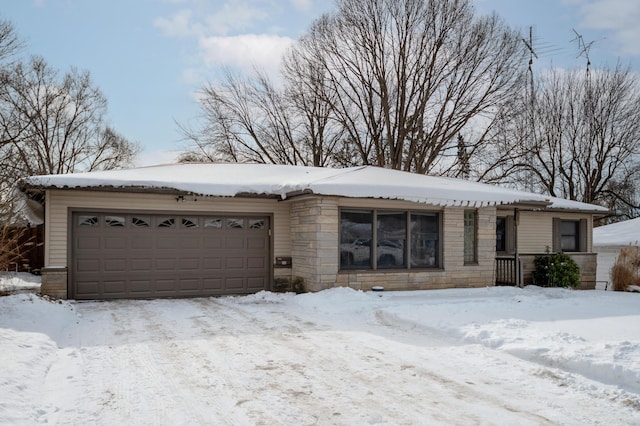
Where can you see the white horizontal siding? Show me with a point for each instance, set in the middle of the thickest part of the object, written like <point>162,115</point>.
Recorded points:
<point>535,230</point>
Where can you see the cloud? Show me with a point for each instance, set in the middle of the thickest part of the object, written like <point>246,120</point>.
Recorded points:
<point>245,51</point>
<point>179,25</point>
<point>620,17</point>
<point>231,17</point>
<point>241,35</point>
<point>234,16</point>
<point>303,5</point>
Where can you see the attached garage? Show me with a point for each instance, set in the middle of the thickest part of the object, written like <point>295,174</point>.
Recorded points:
<point>142,255</point>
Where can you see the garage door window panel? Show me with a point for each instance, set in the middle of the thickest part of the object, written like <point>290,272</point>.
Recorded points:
<point>115,221</point>
<point>257,224</point>
<point>235,223</point>
<point>213,223</point>
<point>189,222</point>
<point>84,220</point>
<point>140,221</point>
<point>166,222</point>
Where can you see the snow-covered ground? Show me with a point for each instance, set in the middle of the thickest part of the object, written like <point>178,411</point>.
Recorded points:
<point>15,282</point>
<point>483,356</point>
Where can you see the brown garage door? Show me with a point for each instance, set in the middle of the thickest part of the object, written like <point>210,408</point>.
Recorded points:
<point>118,255</point>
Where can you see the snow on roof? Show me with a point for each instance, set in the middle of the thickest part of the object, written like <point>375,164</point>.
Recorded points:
<point>618,234</point>
<point>284,181</point>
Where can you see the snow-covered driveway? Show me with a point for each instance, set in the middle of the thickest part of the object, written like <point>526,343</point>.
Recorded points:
<point>336,357</point>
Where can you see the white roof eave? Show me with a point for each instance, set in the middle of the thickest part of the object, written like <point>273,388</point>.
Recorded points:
<point>262,180</point>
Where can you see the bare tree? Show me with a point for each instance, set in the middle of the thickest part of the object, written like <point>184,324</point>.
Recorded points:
<point>249,119</point>
<point>10,43</point>
<point>245,120</point>
<point>409,76</point>
<point>51,124</point>
<point>308,91</point>
<point>386,82</point>
<point>579,137</point>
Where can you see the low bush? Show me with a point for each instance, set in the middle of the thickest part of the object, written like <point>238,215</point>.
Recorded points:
<point>556,270</point>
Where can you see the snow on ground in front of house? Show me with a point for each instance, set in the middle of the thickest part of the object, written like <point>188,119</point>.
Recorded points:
<point>462,356</point>
<point>18,281</point>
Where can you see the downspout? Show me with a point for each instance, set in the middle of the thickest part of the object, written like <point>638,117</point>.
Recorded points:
<point>516,266</point>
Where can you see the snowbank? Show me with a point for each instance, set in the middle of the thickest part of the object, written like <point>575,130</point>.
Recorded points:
<point>496,355</point>
<point>11,282</point>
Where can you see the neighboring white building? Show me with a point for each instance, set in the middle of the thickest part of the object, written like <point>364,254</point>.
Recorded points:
<point>607,242</point>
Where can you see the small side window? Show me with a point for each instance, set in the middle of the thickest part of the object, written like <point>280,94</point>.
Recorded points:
<point>569,235</point>
<point>470,237</point>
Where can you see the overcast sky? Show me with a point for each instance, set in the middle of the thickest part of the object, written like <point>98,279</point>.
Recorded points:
<point>149,57</point>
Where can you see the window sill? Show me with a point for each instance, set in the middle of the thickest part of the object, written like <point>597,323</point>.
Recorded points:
<point>389,271</point>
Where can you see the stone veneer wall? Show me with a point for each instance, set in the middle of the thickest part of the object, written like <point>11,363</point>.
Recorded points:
<point>314,238</point>
<point>314,242</point>
<point>54,281</point>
